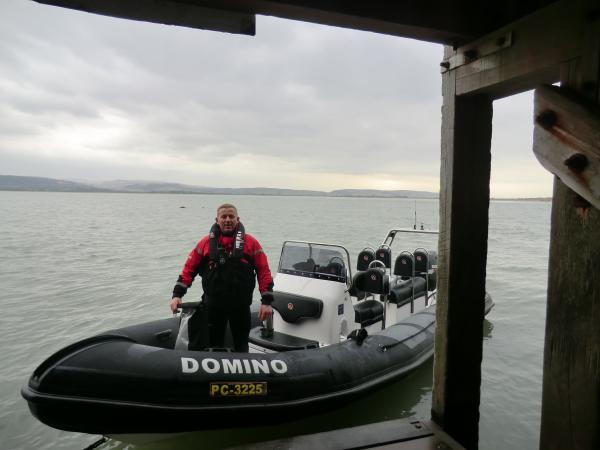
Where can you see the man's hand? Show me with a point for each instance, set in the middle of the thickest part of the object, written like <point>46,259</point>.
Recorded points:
<point>175,302</point>
<point>265,312</point>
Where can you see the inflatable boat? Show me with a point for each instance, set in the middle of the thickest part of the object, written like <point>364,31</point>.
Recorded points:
<point>334,337</point>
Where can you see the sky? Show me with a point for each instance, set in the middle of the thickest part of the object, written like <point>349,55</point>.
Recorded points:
<point>299,105</point>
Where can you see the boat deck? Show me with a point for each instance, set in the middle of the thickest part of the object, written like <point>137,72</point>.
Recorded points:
<point>394,434</point>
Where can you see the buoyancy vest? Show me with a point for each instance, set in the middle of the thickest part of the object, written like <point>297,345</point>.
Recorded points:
<point>228,278</point>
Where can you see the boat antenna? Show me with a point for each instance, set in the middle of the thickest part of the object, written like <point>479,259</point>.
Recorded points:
<point>415,224</point>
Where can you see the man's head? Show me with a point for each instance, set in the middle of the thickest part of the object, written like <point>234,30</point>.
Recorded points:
<point>227,218</point>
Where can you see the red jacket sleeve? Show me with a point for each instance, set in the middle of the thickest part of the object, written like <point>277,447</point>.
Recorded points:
<point>190,269</point>
<point>263,273</point>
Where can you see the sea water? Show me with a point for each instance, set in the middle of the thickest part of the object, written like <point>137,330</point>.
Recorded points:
<point>76,264</point>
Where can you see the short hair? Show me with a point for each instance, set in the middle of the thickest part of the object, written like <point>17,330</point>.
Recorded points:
<point>227,205</point>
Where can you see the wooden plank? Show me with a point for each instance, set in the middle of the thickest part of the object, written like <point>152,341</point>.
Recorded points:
<point>442,21</point>
<point>567,139</point>
<point>571,384</point>
<point>400,434</point>
<point>168,12</point>
<point>464,204</point>
<point>542,42</point>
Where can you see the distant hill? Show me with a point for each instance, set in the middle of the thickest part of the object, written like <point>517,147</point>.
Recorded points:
<point>16,183</point>
<point>383,194</point>
<point>176,188</point>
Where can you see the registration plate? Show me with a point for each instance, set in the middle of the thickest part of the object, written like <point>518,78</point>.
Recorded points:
<point>237,389</point>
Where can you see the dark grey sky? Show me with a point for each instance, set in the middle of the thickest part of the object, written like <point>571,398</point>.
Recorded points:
<point>298,105</point>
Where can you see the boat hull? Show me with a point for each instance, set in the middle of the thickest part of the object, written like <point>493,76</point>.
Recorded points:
<point>132,380</point>
<point>115,383</point>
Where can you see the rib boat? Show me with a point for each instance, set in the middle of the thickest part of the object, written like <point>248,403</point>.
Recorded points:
<point>334,337</point>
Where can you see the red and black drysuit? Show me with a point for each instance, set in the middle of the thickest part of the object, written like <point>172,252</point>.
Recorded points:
<point>229,266</point>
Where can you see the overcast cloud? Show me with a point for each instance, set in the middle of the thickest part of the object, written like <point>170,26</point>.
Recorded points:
<point>297,106</point>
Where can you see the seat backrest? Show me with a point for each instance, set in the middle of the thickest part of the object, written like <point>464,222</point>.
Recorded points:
<point>376,281</point>
<point>358,281</point>
<point>294,308</point>
<point>384,254</point>
<point>424,260</point>
<point>405,265</point>
<point>426,265</point>
<point>364,258</point>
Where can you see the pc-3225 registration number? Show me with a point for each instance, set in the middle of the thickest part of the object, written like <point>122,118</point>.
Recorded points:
<point>237,389</point>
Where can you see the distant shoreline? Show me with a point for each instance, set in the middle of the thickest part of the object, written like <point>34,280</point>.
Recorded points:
<point>16,183</point>
<point>107,191</point>
<point>522,199</point>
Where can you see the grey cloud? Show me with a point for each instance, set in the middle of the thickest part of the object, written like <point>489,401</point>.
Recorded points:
<point>315,98</point>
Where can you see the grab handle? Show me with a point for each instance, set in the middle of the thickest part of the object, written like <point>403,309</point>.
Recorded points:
<point>188,305</point>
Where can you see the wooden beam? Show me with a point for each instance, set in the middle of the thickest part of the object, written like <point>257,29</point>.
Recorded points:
<point>464,204</point>
<point>571,384</point>
<point>443,21</point>
<point>566,139</point>
<point>168,12</point>
<point>541,43</point>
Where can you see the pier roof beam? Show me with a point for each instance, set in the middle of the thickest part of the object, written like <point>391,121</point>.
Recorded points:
<point>167,12</point>
<point>451,22</point>
<point>540,43</point>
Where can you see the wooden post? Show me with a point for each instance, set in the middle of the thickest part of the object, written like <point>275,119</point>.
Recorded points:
<point>464,204</point>
<point>571,385</point>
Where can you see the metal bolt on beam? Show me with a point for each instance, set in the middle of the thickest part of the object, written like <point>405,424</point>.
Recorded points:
<point>577,162</point>
<point>547,119</point>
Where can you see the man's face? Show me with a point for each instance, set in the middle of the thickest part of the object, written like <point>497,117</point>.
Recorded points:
<point>227,219</point>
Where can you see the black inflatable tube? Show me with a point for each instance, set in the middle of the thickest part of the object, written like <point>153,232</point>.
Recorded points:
<point>131,381</point>
<point>68,393</point>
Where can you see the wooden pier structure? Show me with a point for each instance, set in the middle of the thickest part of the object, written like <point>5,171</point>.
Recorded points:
<point>493,49</point>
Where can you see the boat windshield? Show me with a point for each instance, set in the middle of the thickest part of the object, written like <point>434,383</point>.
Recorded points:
<point>312,260</point>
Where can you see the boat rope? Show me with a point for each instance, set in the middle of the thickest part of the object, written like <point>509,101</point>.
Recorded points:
<point>384,347</point>
<point>97,444</point>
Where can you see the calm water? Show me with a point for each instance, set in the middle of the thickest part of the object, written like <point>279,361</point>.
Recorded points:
<point>73,265</point>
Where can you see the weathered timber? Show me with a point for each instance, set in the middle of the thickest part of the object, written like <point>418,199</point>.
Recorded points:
<point>464,204</point>
<point>442,21</point>
<point>571,384</point>
<point>540,43</point>
<point>566,139</point>
<point>184,14</point>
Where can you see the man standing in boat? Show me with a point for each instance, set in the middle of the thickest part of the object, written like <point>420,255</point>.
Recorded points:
<point>229,262</point>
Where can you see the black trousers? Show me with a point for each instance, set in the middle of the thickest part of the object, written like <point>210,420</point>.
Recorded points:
<point>238,317</point>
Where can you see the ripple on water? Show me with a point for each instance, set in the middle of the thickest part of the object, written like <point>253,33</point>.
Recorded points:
<point>78,264</point>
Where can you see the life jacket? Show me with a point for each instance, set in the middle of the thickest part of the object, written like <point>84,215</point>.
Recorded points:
<point>228,278</point>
